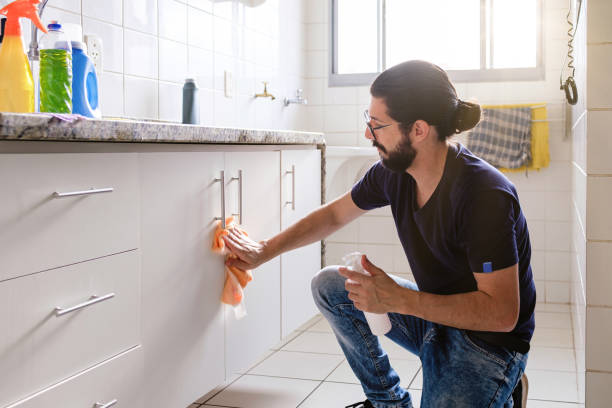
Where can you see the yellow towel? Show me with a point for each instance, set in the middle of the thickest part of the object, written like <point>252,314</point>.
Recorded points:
<point>540,152</point>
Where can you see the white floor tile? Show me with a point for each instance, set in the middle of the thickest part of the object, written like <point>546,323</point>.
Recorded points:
<point>292,364</point>
<point>554,320</point>
<point>552,307</point>
<point>552,358</point>
<point>552,385</point>
<point>552,404</point>
<point>286,340</point>
<point>547,337</point>
<point>321,326</point>
<point>406,369</point>
<point>310,322</point>
<point>314,342</point>
<point>417,383</point>
<point>253,391</point>
<point>395,351</point>
<point>331,394</point>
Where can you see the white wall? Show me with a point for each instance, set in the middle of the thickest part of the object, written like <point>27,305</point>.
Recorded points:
<point>545,196</point>
<point>150,46</point>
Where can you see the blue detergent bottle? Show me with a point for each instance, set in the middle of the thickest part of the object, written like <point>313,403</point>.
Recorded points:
<point>84,83</point>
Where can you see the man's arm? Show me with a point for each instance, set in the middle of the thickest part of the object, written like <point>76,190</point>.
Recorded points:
<point>315,226</point>
<point>493,307</point>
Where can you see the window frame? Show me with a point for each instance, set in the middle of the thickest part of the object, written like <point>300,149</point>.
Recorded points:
<point>483,74</point>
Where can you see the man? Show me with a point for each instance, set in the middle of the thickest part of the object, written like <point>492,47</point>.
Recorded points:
<point>470,315</point>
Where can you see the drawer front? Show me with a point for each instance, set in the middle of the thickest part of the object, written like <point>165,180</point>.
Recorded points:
<point>39,348</point>
<point>116,379</point>
<point>40,231</point>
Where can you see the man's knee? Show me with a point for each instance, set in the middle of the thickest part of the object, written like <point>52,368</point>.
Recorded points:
<point>327,280</point>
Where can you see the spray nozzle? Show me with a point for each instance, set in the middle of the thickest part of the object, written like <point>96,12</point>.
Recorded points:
<point>21,8</point>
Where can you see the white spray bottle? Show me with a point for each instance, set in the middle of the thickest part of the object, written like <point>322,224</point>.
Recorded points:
<point>379,322</point>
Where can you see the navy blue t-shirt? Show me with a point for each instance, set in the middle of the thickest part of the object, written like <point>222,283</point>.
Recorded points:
<point>472,217</point>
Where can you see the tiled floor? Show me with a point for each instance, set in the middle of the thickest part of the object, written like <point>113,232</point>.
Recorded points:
<point>308,370</point>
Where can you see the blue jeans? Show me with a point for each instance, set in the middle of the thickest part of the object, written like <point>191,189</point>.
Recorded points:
<point>458,370</point>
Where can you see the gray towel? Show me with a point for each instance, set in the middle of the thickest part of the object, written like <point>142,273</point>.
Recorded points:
<point>503,137</point>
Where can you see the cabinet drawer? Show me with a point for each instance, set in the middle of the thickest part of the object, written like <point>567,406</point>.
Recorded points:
<point>116,379</point>
<point>38,347</point>
<point>39,230</point>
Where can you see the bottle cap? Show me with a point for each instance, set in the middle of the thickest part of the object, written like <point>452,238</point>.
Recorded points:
<point>190,80</point>
<point>79,45</point>
<point>54,25</point>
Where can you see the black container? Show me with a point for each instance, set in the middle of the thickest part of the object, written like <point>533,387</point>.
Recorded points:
<point>191,105</point>
<point>2,23</point>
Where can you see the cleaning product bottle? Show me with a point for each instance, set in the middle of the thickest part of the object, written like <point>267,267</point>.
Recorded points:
<point>16,83</point>
<point>55,71</point>
<point>379,322</point>
<point>84,83</point>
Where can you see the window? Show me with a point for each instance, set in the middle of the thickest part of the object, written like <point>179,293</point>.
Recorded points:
<point>473,40</point>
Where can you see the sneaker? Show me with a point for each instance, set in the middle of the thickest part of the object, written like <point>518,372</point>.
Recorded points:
<point>519,395</point>
<point>362,404</point>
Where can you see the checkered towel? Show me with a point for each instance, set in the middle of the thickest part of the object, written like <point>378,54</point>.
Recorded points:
<point>503,137</point>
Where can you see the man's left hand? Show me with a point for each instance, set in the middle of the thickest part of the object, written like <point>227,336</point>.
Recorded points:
<point>377,293</point>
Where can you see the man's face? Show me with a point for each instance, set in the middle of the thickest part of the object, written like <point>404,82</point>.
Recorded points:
<point>394,147</point>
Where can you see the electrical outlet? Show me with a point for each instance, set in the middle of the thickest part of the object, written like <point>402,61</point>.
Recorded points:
<point>228,84</point>
<point>94,51</point>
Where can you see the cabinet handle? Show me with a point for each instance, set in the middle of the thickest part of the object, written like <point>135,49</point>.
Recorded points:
<point>107,405</point>
<point>60,311</point>
<point>84,192</point>
<point>292,172</point>
<point>239,178</point>
<point>221,179</point>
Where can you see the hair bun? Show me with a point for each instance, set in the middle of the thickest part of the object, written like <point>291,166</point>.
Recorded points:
<point>467,115</point>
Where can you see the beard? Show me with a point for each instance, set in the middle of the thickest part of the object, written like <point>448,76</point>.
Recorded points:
<point>400,159</point>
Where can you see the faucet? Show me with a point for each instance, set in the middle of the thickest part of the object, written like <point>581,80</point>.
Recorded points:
<point>265,93</point>
<point>298,99</point>
<point>33,53</point>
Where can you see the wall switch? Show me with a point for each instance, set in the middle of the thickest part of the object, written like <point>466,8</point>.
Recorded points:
<point>94,51</point>
<point>229,88</point>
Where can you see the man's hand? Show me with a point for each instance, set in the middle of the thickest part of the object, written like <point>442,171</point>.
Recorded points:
<point>250,253</point>
<point>377,293</point>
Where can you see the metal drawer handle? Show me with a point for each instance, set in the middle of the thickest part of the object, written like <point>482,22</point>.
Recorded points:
<point>107,405</point>
<point>221,179</point>
<point>292,202</point>
<point>84,192</point>
<point>239,178</point>
<point>60,311</point>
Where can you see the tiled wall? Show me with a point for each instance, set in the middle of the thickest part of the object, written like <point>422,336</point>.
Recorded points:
<point>151,46</point>
<point>594,191</point>
<point>545,196</point>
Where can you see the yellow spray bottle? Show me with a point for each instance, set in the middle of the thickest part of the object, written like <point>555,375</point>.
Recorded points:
<point>16,83</point>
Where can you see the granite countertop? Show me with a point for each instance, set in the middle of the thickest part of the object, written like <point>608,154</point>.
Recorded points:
<point>68,128</point>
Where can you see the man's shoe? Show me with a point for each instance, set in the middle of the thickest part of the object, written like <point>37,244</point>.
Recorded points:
<point>362,404</point>
<point>519,395</point>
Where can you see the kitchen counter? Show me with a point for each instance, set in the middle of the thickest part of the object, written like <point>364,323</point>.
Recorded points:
<point>69,128</point>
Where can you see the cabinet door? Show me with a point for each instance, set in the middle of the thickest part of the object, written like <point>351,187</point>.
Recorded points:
<point>301,193</point>
<point>248,338</point>
<point>182,279</point>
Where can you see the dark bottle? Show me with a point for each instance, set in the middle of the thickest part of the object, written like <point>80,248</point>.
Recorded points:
<point>191,106</point>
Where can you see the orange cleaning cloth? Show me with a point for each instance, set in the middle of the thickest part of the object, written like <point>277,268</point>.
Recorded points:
<point>235,278</point>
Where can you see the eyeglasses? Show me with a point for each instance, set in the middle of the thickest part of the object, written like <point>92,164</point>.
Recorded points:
<point>368,119</point>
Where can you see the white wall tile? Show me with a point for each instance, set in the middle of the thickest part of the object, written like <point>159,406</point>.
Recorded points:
<point>538,264</point>
<point>223,36</point>
<point>317,11</point>
<point>341,138</point>
<point>111,94</point>
<point>377,230</point>
<point>537,235</point>
<point>224,9</point>
<point>599,86</point>
<point>141,57</point>
<point>206,107</point>
<point>599,146</point>
<point>558,266</point>
<point>597,391</point>
<point>557,292</point>
<point>206,5</point>
<point>540,291</point>
<point>172,61</point>
<point>200,66</point>
<point>599,216</point>
<point>224,110</point>
<point>340,118</point>
<point>170,102</point>
<point>73,6</point>
<point>598,335</point>
<point>599,282</point>
<point>112,43</point>
<point>598,15</point>
<point>141,98</point>
<point>173,20</point>
<point>110,11</point>
<point>140,15</point>
<point>199,29</point>
<point>400,261</point>
<point>558,236</point>
<point>316,64</point>
<point>224,63</point>
<point>534,205</point>
<point>52,13</point>
<point>317,37</point>
<point>340,95</point>
<point>379,255</point>
<point>557,205</point>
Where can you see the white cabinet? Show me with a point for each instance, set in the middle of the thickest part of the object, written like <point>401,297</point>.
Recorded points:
<point>248,338</point>
<point>183,338</point>
<point>301,182</point>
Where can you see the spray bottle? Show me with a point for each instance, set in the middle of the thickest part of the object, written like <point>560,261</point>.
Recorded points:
<point>16,83</point>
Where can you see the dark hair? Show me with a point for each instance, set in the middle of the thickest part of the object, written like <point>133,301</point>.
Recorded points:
<point>416,90</point>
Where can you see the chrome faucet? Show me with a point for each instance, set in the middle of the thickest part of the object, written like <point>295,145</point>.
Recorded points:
<point>33,53</point>
<point>298,99</point>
